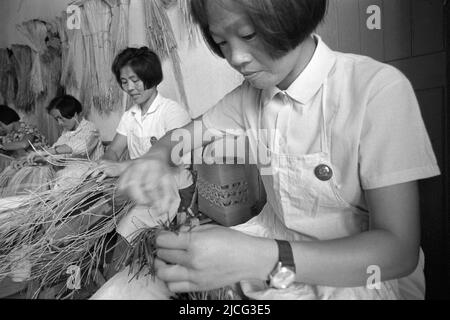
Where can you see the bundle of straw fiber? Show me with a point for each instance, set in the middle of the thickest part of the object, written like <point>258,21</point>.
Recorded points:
<point>98,16</point>
<point>191,29</point>
<point>51,74</point>
<point>12,80</point>
<point>7,77</point>
<point>141,254</point>
<point>45,73</point>
<point>22,62</point>
<point>36,32</point>
<point>28,179</point>
<point>58,230</point>
<point>61,25</point>
<point>119,33</point>
<point>89,81</point>
<point>73,56</point>
<point>119,24</point>
<point>5,161</point>
<point>161,38</point>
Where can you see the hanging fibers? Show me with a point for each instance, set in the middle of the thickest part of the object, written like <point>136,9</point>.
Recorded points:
<point>89,83</point>
<point>98,16</point>
<point>161,38</point>
<point>36,32</point>
<point>22,61</point>
<point>191,28</point>
<point>6,72</point>
<point>119,25</point>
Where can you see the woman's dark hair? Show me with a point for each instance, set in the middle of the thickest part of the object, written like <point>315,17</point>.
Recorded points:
<point>67,105</point>
<point>8,115</point>
<point>280,24</point>
<point>144,62</point>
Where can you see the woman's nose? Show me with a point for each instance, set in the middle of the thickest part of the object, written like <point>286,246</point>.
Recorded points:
<point>130,86</point>
<point>239,55</point>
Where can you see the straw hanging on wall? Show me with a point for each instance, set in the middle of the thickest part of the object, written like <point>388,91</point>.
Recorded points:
<point>7,77</point>
<point>45,72</point>
<point>98,15</point>
<point>89,83</point>
<point>73,55</point>
<point>191,28</point>
<point>35,31</point>
<point>161,38</point>
<point>22,62</point>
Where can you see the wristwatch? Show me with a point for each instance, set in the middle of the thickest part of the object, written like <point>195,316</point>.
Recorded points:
<point>283,275</point>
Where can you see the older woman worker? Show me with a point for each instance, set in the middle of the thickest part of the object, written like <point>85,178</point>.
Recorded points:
<point>80,139</point>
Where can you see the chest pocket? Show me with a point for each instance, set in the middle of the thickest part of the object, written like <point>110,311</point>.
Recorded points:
<point>142,143</point>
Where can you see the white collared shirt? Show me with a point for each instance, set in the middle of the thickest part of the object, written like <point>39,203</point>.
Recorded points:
<point>378,137</point>
<point>163,115</point>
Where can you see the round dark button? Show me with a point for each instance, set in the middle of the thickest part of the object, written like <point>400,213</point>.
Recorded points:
<point>323,172</point>
<point>153,140</point>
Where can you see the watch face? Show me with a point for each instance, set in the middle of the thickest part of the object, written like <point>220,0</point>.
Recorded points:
<point>283,278</point>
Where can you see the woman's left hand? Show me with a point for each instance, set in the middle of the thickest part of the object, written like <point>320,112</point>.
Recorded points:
<point>34,157</point>
<point>211,257</point>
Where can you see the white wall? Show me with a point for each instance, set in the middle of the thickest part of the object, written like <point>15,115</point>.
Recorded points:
<point>206,78</point>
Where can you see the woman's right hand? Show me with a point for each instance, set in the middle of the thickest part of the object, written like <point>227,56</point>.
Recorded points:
<point>149,181</point>
<point>109,169</point>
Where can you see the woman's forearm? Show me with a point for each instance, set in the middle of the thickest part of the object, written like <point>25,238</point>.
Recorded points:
<point>177,143</point>
<point>61,149</point>
<point>110,156</point>
<point>14,146</point>
<point>344,262</point>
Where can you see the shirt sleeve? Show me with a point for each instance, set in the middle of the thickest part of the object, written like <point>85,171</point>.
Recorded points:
<point>227,115</point>
<point>122,128</point>
<point>175,116</point>
<point>394,145</point>
<point>84,140</point>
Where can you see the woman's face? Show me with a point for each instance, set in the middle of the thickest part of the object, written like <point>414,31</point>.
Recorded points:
<point>5,129</point>
<point>66,124</point>
<point>134,86</point>
<point>233,31</point>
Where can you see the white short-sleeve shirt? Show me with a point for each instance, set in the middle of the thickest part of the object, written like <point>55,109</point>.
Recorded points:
<point>143,130</point>
<point>378,137</point>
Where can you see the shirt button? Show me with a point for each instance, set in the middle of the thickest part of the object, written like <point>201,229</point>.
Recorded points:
<point>323,172</point>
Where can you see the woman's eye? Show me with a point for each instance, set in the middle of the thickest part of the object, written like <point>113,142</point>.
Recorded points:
<point>249,36</point>
<point>221,43</point>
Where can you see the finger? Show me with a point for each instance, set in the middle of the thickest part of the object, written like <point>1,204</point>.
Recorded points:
<point>183,286</point>
<point>173,273</point>
<point>180,257</point>
<point>101,178</point>
<point>170,240</point>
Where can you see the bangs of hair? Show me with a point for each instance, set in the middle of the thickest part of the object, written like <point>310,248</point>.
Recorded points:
<point>67,105</point>
<point>281,25</point>
<point>144,62</point>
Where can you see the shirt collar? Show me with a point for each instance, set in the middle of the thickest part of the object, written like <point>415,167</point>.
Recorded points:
<point>312,77</point>
<point>136,110</point>
<point>79,127</point>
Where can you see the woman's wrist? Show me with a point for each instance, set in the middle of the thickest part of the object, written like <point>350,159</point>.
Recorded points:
<point>266,257</point>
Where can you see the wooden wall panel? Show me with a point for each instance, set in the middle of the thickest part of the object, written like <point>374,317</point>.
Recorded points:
<point>349,26</point>
<point>372,43</point>
<point>427,20</point>
<point>329,30</point>
<point>424,72</point>
<point>397,29</point>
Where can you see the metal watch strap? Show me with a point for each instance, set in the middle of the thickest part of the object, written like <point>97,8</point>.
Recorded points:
<point>285,254</point>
